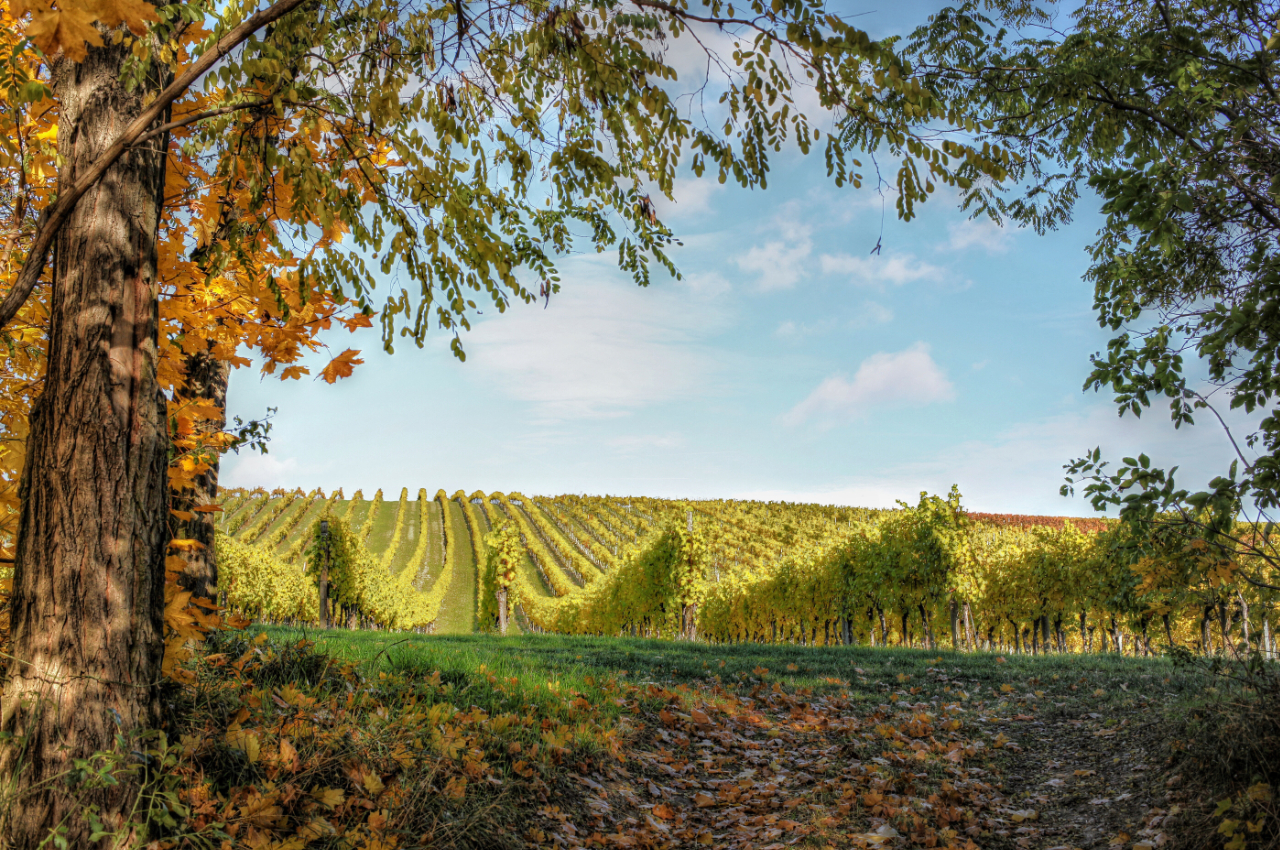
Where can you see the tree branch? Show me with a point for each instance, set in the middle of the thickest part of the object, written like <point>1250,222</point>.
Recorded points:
<point>199,116</point>
<point>54,216</point>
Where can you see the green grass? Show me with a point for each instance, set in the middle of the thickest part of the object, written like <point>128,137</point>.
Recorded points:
<point>317,507</point>
<point>384,525</point>
<point>458,613</point>
<point>1051,684</point>
<point>284,517</point>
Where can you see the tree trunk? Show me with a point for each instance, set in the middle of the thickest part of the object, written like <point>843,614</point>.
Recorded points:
<point>955,625</point>
<point>88,595</point>
<point>502,611</point>
<point>1266,634</point>
<point>689,622</point>
<point>207,382</point>
<point>1244,620</point>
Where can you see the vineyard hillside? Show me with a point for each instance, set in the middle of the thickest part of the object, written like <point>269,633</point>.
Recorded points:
<point>930,575</point>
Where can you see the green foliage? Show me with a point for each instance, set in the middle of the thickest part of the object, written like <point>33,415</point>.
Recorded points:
<point>1161,110</point>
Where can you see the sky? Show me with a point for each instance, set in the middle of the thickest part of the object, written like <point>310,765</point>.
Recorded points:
<point>790,362</point>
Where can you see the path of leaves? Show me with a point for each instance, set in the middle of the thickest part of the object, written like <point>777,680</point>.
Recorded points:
<point>1093,778</point>
<point>772,769</point>
<point>406,761</point>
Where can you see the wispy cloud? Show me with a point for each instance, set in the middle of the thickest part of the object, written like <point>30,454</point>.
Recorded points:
<point>258,470</point>
<point>1019,469</point>
<point>692,196</point>
<point>641,442</point>
<point>780,263</point>
<point>979,233</point>
<point>604,347</point>
<point>804,330</point>
<point>873,313</point>
<point>908,377</point>
<point>876,271</point>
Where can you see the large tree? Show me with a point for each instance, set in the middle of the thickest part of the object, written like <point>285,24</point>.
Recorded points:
<point>314,151</point>
<point>1169,112</point>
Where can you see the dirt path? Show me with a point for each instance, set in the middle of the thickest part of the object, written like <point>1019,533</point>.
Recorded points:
<point>1091,780</point>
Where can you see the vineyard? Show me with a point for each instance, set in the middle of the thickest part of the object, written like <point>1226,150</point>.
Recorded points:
<point>929,575</point>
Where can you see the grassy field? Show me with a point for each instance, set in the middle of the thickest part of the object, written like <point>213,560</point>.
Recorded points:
<point>867,674</point>
<point>1039,752</point>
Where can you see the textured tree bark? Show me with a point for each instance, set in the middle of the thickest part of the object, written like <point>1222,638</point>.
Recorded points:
<point>206,381</point>
<point>89,579</point>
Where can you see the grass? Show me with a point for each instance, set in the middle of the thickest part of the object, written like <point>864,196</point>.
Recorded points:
<point>1056,682</point>
<point>384,525</point>
<point>409,539</point>
<point>303,526</point>
<point>458,613</point>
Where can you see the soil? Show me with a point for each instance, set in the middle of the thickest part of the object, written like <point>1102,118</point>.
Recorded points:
<point>1093,781</point>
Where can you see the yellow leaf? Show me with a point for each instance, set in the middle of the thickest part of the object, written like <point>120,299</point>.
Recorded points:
<point>341,366</point>
<point>288,756</point>
<point>246,742</point>
<point>66,30</point>
<point>135,14</point>
<point>328,797</point>
<point>373,784</point>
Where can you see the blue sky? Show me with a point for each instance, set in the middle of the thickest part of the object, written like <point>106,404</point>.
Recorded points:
<point>789,363</point>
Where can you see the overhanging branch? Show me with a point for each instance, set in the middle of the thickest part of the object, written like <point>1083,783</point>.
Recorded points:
<point>54,216</point>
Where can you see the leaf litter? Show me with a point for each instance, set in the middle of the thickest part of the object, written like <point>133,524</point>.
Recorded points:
<point>340,757</point>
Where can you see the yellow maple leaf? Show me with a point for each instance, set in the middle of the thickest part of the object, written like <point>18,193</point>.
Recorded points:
<point>135,14</point>
<point>341,366</point>
<point>328,797</point>
<point>67,30</point>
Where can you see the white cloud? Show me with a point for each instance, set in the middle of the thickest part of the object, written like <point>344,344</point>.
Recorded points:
<point>896,269</point>
<point>873,313</point>
<point>979,233</point>
<point>252,469</point>
<point>604,347</point>
<point>1019,470</point>
<point>780,263</point>
<point>692,196</point>
<point>706,284</point>
<point>909,377</point>
<point>802,330</point>
<point>641,442</point>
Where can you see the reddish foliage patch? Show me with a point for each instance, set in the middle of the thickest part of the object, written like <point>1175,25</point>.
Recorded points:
<point>1089,524</point>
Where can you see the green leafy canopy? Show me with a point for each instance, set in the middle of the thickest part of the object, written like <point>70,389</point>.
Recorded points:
<point>463,147</point>
<point>1169,112</point>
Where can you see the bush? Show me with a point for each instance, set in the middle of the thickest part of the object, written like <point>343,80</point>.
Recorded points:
<point>1227,757</point>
